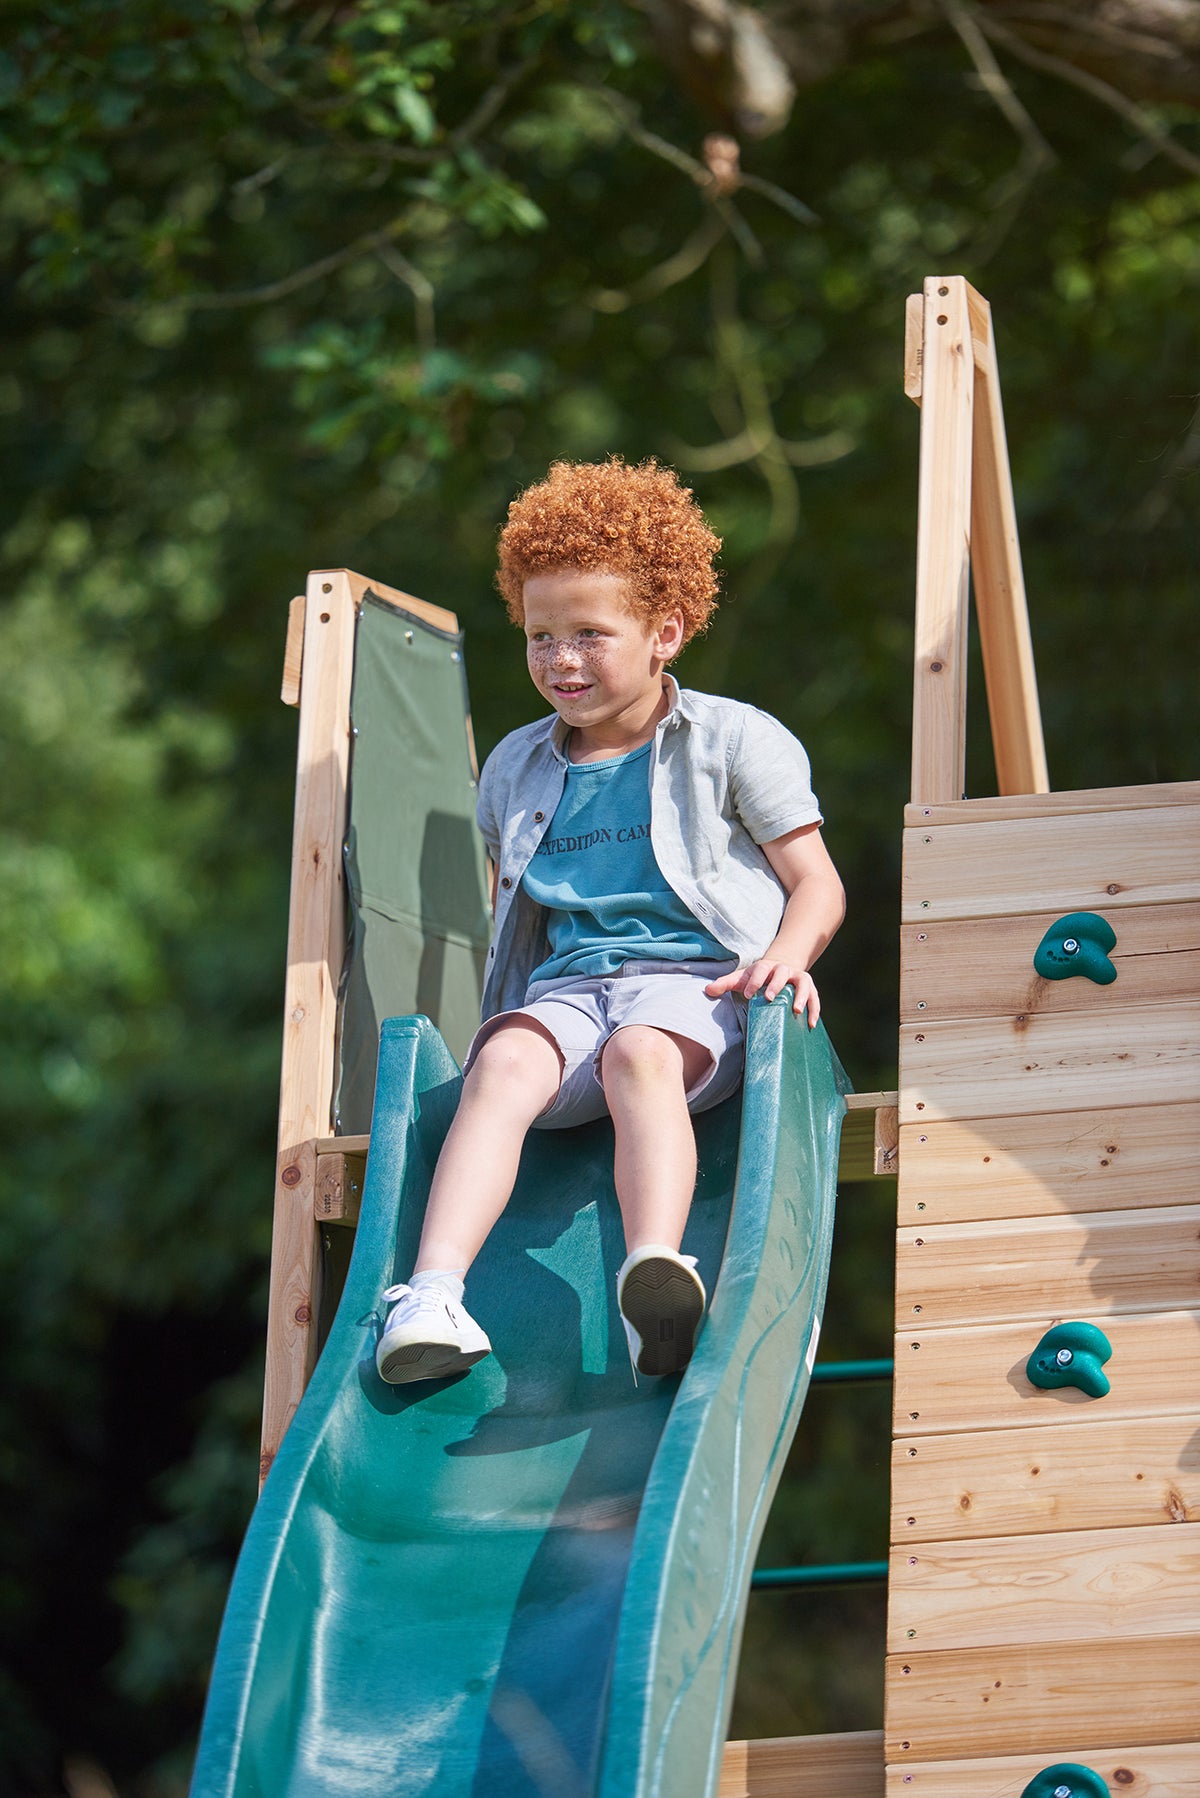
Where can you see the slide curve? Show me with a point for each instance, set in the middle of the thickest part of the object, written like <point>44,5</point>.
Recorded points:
<point>530,1581</point>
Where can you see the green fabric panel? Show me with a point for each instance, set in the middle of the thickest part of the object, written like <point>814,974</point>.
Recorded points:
<point>415,867</point>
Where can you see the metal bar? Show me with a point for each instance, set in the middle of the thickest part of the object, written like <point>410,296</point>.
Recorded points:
<point>836,1573</point>
<point>837,1371</point>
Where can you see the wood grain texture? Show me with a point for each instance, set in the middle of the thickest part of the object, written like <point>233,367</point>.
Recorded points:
<point>314,956</point>
<point>869,1137</point>
<point>1067,1586</point>
<point>980,968</point>
<point>974,1379</point>
<point>293,652</point>
<point>1061,1061</point>
<point>1099,1262</point>
<point>993,809</point>
<point>832,1766</point>
<point>1036,1166</point>
<point>1000,606</point>
<point>914,326</point>
<point>868,1142</point>
<point>360,584</point>
<point>1130,1772</point>
<point>1097,861</point>
<point>1005,1700</point>
<point>943,543</point>
<point>1061,1476</point>
<point>339,1188</point>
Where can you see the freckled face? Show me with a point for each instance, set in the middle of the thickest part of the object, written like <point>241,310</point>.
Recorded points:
<point>589,656</point>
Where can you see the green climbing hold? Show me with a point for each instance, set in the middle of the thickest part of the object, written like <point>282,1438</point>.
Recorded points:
<point>1071,1355</point>
<point>1077,944</point>
<point>1066,1779</point>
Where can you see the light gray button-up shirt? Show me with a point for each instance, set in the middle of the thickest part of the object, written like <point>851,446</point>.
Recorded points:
<point>724,777</point>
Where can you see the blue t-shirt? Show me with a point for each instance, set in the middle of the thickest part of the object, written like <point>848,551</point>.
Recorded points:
<point>595,872</point>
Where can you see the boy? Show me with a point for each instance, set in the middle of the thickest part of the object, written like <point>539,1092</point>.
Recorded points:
<point>658,860</point>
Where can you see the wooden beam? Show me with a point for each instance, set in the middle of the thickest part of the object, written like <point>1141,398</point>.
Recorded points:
<point>314,958</point>
<point>1097,861</point>
<point>343,1145</point>
<point>1112,1585</point>
<point>1022,1482</point>
<point>1101,1262</point>
<point>359,584</point>
<point>971,967</point>
<point>1053,805</point>
<point>943,544</point>
<point>838,1766</point>
<point>974,1378</point>
<point>869,1145</point>
<point>1053,1062</point>
<point>870,1135</point>
<point>1171,1771</point>
<point>293,652</point>
<point>1000,605</point>
<point>1044,1165</point>
<point>338,1195</point>
<point>1001,1700</point>
<point>914,329</point>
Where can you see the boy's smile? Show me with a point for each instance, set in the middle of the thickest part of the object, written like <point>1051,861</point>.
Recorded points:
<point>598,664</point>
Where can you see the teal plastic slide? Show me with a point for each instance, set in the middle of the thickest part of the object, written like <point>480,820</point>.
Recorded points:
<point>530,1581</point>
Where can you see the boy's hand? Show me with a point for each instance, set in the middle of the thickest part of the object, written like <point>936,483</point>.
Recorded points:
<point>770,978</point>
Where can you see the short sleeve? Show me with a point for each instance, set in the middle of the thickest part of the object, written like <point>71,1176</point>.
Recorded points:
<point>770,783</point>
<point>485,810</point>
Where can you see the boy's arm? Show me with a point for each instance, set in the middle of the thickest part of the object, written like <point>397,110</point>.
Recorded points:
<point>816,905</point>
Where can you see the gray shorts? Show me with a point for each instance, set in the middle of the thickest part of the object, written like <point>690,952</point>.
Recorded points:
<point>581,1015</point>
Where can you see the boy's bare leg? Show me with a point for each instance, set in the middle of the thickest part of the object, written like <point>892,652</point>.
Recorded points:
<point>646,1074</point>
<point>513,1078</point>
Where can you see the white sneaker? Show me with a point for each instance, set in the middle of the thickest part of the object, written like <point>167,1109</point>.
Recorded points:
<point>427,1335</point>
<point>661,1299</point>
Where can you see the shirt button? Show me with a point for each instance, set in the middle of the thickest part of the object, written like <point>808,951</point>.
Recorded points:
<point>538,817</point>
<point>506,882</point>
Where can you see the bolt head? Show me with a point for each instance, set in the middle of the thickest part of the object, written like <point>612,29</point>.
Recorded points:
<point>1064,1358</point>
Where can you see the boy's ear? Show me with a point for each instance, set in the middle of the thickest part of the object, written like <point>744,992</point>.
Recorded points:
<point>669,636</point>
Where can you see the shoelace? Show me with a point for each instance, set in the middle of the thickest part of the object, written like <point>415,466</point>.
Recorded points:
<point>423,1298</point>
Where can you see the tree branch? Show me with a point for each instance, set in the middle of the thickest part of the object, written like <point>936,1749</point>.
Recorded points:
<point>301,277</point>
<point>1036,152</point>
<point>1143,122</point>
<point>421,288</point>
<point>686,260</point>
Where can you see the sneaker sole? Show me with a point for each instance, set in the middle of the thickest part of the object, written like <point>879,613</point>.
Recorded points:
<point>664,1305</point>
<point>426,1361</point>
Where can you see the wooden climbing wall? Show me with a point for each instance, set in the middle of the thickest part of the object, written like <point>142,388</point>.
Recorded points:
<point>1044,1594</point>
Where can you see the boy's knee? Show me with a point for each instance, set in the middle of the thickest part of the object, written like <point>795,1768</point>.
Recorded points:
<point>642,1051</point>
<point>517,1053</point>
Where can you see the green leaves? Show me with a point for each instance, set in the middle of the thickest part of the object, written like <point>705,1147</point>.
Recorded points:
<point>303,287</point>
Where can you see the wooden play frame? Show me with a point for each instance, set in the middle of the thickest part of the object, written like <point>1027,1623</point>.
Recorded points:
<point>966,530</point>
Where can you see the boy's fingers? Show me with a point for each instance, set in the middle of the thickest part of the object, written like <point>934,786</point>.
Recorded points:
<point>807,999</point>
<point>776,981</point>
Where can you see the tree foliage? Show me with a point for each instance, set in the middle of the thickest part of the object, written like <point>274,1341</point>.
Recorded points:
<point>303,284</point>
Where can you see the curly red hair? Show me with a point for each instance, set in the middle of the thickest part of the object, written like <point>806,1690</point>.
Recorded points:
<point>609,517</point>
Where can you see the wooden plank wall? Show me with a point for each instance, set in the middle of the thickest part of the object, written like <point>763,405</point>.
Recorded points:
<point>1044,1595</point>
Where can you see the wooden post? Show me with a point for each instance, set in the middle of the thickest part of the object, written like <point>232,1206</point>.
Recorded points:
<point>318,675</point>
<point>947,386</point>
<point>1000,604</point>
<point>314,959</point>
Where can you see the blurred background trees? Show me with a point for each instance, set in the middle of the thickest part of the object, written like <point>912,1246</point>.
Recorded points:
<point>298,284</point>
